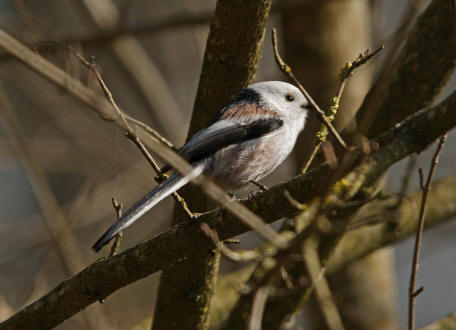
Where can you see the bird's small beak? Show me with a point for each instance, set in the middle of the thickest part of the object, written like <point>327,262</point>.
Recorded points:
<point>306,106</point>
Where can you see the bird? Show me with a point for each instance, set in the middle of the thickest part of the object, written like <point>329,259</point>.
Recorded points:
<point>243,143</point>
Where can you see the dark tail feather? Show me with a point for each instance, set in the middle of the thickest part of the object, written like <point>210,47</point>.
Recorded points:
<point>107,236</point>
<point>145,204</point>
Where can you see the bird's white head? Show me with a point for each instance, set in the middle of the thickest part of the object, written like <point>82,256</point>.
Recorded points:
<point>283,97</point>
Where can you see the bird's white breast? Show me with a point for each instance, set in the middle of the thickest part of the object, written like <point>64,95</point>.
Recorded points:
<point>234,166</point>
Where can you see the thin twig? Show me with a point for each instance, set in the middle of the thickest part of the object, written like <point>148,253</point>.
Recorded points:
<point>139,65</point>
<point>130,134</point>
<point>259,185</point>
<point>294,202</point>
<point>151,131</point>
<point>287,70</point>
<point>116,244</point>
<point>413,293</point>
<point>239,255</point>
<point>311,157</point>
<point>104,109</point>
<point>345,73</point>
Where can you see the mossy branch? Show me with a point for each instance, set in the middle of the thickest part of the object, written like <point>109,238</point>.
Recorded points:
<point>389,225</point>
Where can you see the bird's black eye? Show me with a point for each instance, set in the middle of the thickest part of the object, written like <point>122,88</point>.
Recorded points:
<point>289,97</point>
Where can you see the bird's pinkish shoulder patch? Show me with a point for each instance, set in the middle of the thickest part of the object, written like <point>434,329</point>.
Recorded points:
<point>246,111</point>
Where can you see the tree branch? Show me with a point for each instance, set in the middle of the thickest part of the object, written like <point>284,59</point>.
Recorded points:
<point>287,70</point>
<point>106,276</point>
<point>140,67</point>
<point>413,293</point>
<point>105,110</point>
<point>422,68</point>
<point>359,242</point>
<point>230,61</point>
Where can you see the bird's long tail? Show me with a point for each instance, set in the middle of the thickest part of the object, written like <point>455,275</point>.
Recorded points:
<point>145,204</point>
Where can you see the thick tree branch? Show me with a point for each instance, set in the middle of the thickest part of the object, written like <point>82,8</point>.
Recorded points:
<point>422,68</point>
<point>279,310</point>
<point>106,276</point>
<point>425,61</point>
<point>392,226</point>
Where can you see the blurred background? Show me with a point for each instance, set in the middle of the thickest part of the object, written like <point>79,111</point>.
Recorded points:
<point>60,165</point>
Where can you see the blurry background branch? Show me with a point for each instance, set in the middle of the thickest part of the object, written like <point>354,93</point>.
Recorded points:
<point>56,223</point>
<point>110,27</point>
<point>140,66</point>
<point>108,110</point>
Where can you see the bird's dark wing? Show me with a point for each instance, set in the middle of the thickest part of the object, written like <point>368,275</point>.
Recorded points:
<point>224,133</point>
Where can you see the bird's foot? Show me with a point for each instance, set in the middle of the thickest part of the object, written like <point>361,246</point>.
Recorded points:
<point>259,185</point>
<point>262,188</point>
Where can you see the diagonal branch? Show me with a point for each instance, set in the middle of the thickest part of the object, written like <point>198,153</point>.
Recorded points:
<point>65,241</point>
<point>346,72</point>
<point>104,109</point>
<point>422,68</point>
<point>356,244</point>
<point>141,69</point>
<point>287,70</point>
<point>106,276</point>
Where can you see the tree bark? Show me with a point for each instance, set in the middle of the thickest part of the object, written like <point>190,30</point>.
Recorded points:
<point>232,53</point>
<point>357,243</point>
<point>365,181</point>
<point>421,70</point>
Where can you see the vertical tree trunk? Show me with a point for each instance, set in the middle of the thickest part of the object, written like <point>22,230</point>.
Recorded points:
<point>319,38</point>
<point>230,61</point>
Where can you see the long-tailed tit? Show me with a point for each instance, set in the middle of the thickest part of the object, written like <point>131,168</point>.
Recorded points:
<point>244,142</point>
